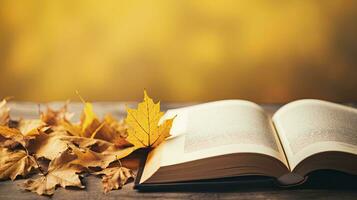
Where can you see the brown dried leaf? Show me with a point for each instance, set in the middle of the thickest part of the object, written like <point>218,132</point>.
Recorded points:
<point>88,158</point>
<point>115,177</point>
<point>96,145</point>
<point>71,128</point>
<point>10,137</point>
<point>15,163</point>
<point>115,152</point>
<point>113,131</point>
<point>55,117</point>
<point>61,172</point>
<point>31,127</point>
<point>49,145</point>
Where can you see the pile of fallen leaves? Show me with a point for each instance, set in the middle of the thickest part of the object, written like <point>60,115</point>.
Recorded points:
<point>58,152</point>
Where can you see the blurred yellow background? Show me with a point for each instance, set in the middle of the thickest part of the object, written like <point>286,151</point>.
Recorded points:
<point>265,51</point>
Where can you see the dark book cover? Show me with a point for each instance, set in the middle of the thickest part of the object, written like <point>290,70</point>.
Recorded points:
<point>320,179</point>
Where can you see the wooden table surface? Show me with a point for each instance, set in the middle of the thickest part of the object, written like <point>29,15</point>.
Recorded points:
<point>10,190</point>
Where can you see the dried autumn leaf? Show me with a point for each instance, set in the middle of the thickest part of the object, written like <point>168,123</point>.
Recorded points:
<point>115,177</point>
<point>96,145</point>
<point>55,117</point>
<point>30,127</point>
<point>88,158</point>
<point>113,131</point>
<point>112,153</point>
<point>15,163</point>
<point>61,172</point>
<point>4,113</point>
<point>22,134</point>
<point>144,128</point>
<point>10,137</point>
<point>119,126</point>
<point>51,145</point>
<point>72,129</point>
<point>48,145</point>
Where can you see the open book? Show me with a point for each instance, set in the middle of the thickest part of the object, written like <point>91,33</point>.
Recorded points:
<point>233,138</point>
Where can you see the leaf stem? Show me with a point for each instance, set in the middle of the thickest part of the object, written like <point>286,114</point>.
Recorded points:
<point>116,157</point>
<point>80,97</point>
<point>38,165</point>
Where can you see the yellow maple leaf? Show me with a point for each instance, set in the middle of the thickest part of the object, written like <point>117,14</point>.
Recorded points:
<point>89,121</point>
<point>88,116</point>
<point>144,129</point>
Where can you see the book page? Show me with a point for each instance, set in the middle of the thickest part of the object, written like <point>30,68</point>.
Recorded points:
<point>218,128</point>
<point>307,127</point>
